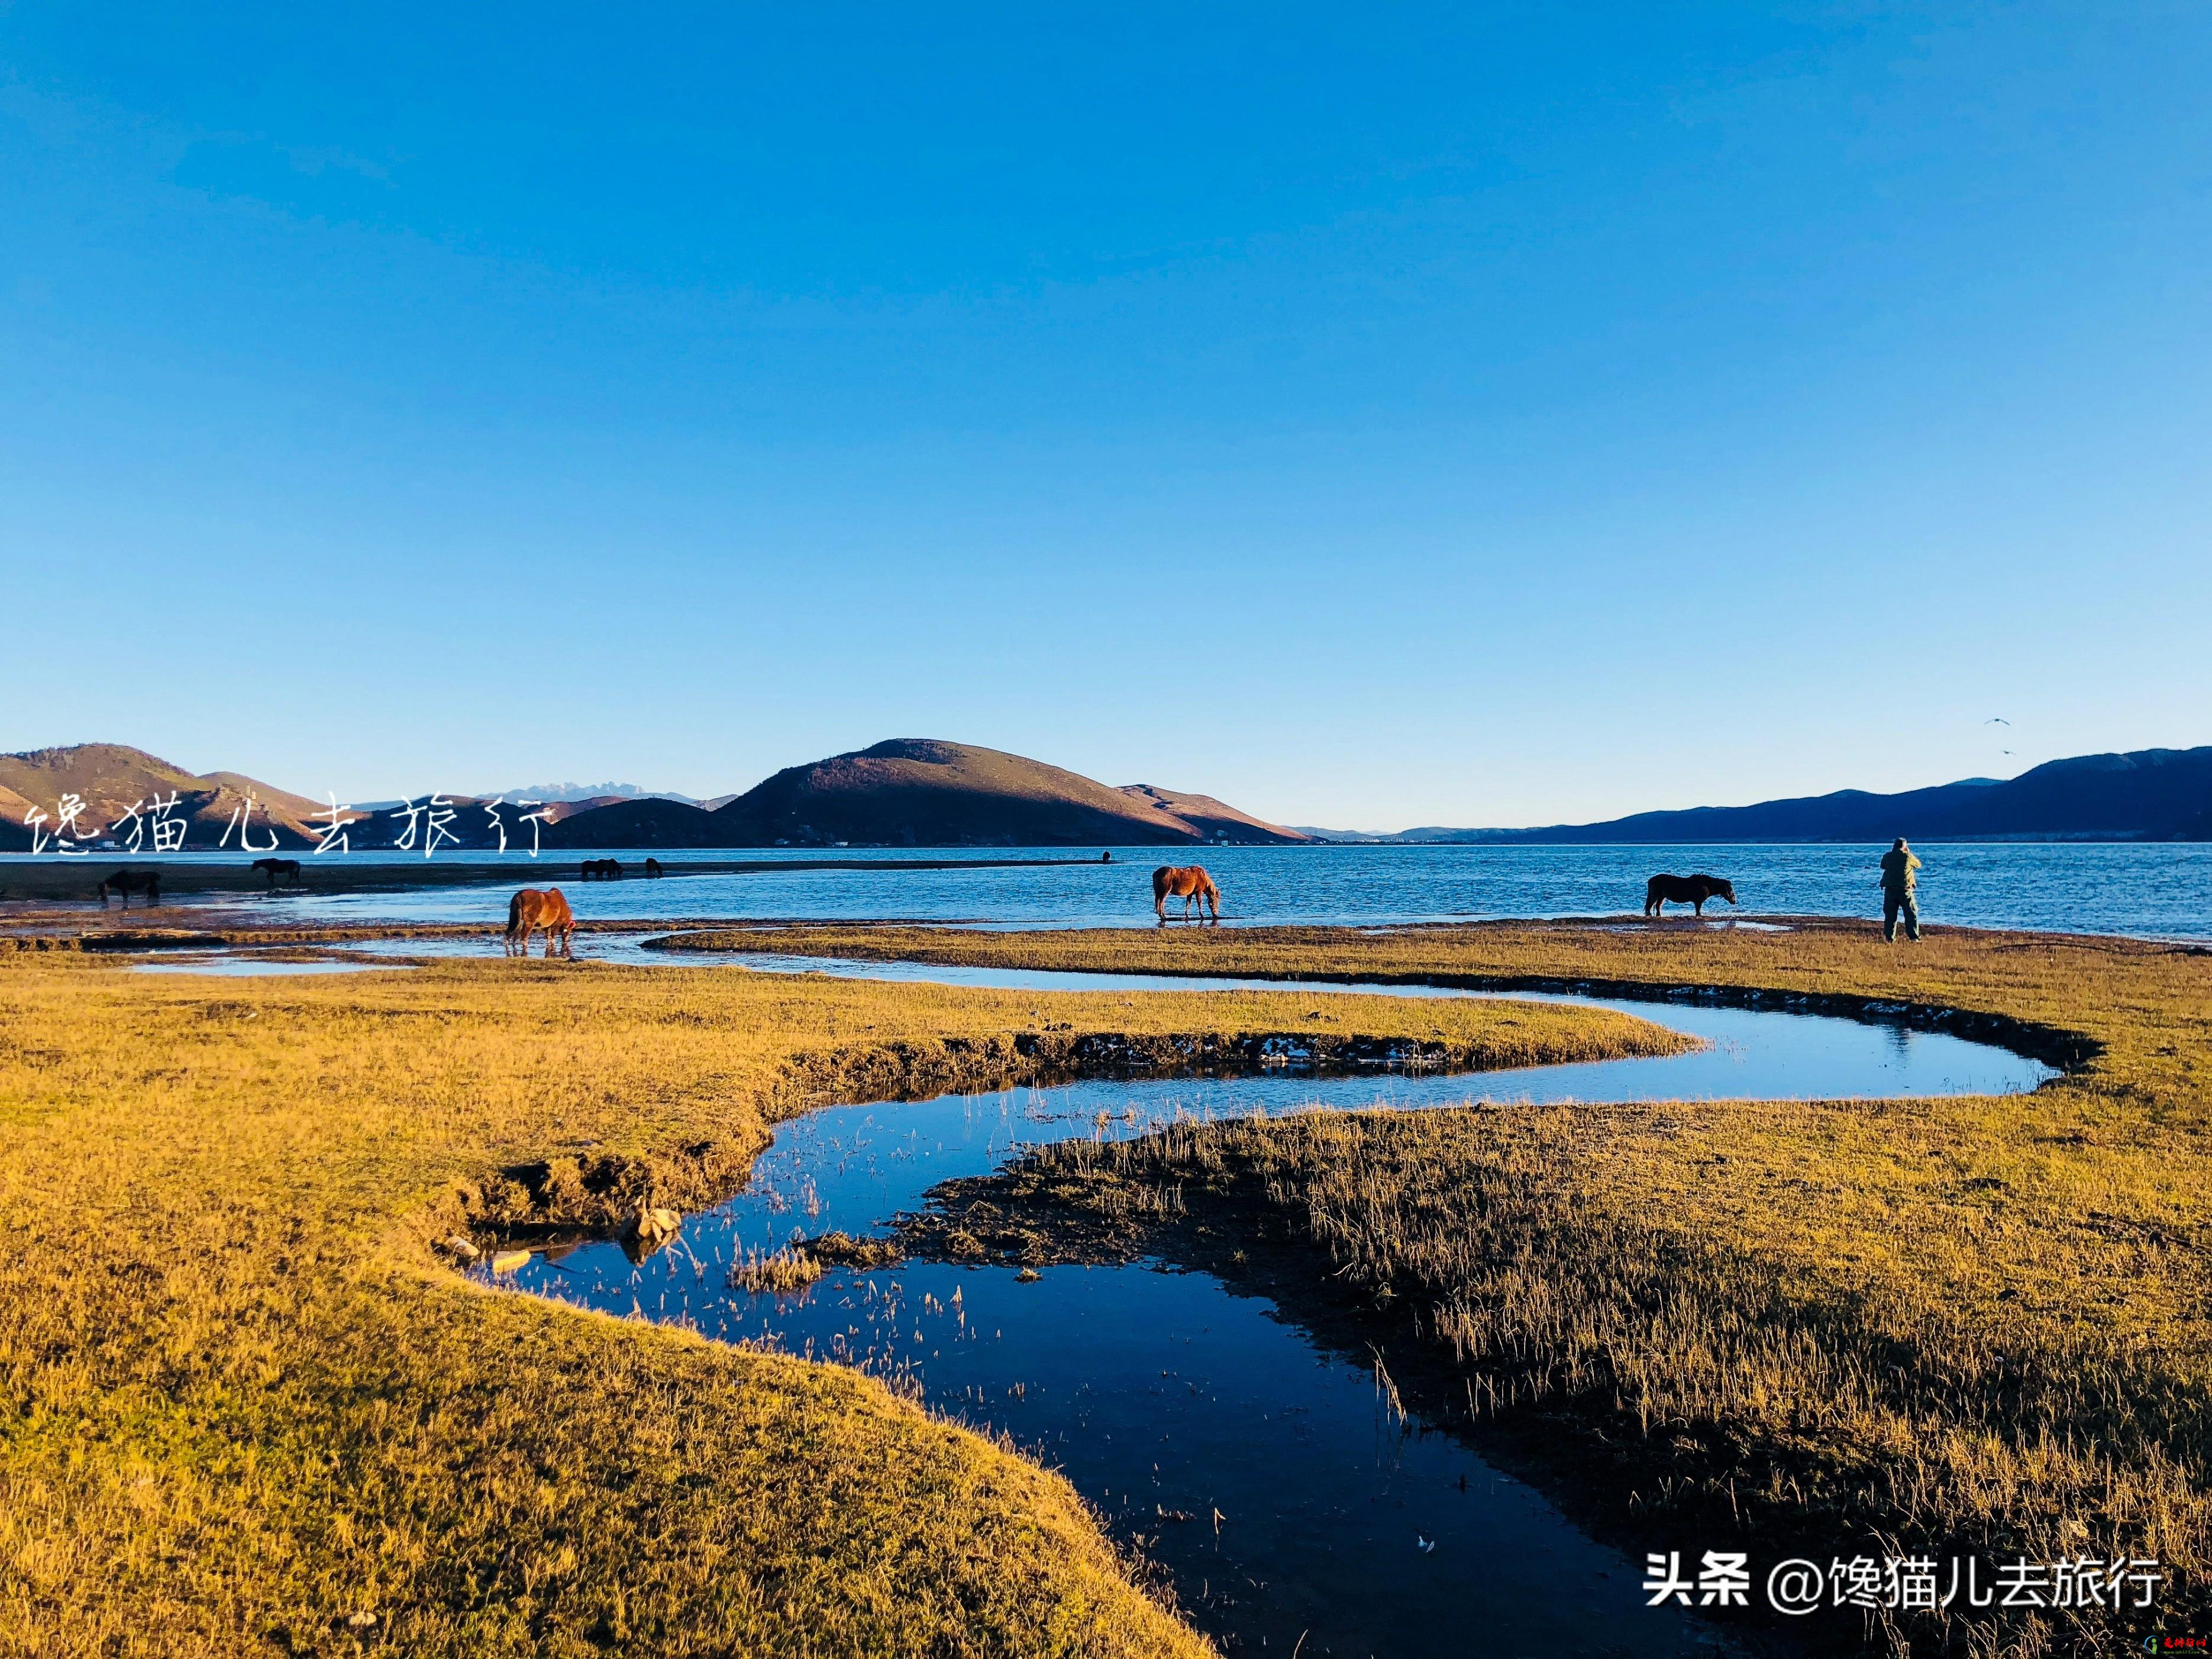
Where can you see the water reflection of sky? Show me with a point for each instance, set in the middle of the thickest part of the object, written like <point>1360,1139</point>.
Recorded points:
<point>1169,1399</point>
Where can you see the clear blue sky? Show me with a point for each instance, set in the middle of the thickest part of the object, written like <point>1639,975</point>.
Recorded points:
<point>1372,415</point>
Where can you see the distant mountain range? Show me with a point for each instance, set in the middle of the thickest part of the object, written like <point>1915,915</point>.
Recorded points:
<point>922,792</point>
<point>107,780</point>
<point>133,799</point>
<point>2151,794</point>
<point>597,794</point>
<point>913,792</point>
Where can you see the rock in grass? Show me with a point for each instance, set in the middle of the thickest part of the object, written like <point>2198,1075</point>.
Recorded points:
<point>463,1251</point>
<point>650,1228</point>
<point>505,1261</point>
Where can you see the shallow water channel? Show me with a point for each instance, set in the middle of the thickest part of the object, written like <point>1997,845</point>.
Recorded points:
<point>1270,1479</point>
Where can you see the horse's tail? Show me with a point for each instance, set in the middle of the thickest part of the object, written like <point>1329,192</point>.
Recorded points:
<point>513,914</point>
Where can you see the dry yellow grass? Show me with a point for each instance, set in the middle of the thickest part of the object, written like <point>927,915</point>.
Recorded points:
<point>1979,1323</point>
<point>243,1409</point>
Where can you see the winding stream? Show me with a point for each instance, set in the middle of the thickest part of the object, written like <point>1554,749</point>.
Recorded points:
<point>1269,1480</point>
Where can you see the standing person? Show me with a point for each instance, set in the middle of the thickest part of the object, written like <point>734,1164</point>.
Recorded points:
<point>1897,897</point>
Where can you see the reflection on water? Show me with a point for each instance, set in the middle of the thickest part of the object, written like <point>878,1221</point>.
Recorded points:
<point>1279,1484</point>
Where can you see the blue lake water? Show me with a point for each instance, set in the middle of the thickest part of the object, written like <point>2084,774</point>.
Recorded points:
<point>1290,1502</point>
<point>2150,889</point>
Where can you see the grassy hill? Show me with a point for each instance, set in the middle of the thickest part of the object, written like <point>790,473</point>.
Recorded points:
<point>921,792</point>
<point>909,792</point>
<point>112,778</point>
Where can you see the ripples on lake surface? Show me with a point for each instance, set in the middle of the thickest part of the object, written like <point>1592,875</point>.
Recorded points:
<point>1170,1398</point>
<point>2162,890</point>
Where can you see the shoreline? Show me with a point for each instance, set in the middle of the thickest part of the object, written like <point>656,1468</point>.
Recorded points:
<point>54,882</point>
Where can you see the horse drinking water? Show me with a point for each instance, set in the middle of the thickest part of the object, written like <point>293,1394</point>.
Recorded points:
<point>531,909</point>
<point>1186,881</point>
<point>124,882</point>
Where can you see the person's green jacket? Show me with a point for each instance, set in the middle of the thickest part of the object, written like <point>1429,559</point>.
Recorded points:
<point>1896,868</point>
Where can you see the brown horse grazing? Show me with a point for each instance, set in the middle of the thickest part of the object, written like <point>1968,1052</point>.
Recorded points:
<point>124,882</point>
<point>288,868</point>
<point>1662,890</point>
<point>529,910</point>
<point>1186,881</point>
<point>652,867</point>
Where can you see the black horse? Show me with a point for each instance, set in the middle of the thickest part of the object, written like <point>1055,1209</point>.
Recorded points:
<point>288,868</point>
<point>602,870</point>
<point>1662,890</point>
<point>124,882</point>
<point>652,867</point>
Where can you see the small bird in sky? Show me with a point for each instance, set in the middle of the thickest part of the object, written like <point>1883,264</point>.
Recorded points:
<point>1996,720</point>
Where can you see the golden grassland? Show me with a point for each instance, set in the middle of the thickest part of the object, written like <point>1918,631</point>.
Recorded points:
<point>244,1407</point>
<point>1976,1322</point>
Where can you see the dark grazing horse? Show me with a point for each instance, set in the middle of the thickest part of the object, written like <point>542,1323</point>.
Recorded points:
<point>652,867</point>
<point>124,882</point>
<point>288,868</point>
<point>1662,890</point>
<point>1186,881</point>
<point>531,909</point>
<point>602,870</point>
